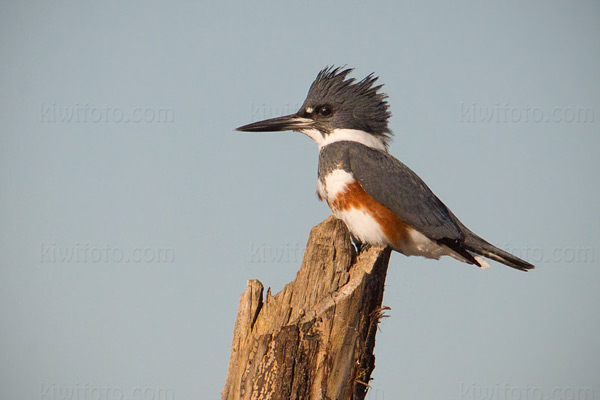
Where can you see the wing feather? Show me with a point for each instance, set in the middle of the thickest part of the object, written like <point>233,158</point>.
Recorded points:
<point>398,188</point>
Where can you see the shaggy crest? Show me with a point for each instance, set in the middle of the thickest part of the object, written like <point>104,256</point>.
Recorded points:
<point>356,105</point>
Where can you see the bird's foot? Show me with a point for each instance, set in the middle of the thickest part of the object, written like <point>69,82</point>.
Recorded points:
<point>360,246</point>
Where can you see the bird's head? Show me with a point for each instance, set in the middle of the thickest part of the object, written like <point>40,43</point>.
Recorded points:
<point>335,106</point>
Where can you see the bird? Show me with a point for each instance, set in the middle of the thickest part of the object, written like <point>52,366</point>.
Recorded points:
<point>381,200</point>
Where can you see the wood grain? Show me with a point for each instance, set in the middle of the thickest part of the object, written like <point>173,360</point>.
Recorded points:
<point>315,338</point>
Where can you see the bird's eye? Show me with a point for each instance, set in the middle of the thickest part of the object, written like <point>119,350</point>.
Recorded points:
<point>325,111</point>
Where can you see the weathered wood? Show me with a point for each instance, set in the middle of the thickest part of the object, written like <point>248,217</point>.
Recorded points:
<point>315,338</point>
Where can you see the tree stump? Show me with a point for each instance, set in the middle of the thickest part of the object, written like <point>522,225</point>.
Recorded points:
<point>315,338</point>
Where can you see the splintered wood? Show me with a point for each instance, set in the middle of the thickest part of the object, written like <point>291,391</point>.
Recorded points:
<point>315,338</point>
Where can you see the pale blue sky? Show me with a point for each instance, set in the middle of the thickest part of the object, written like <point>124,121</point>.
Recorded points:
<point>495,105</point>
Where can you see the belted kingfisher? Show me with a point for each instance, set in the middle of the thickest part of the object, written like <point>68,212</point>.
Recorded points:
<point>381,200</point>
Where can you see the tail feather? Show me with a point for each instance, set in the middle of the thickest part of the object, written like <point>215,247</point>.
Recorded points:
<point>479,246</point>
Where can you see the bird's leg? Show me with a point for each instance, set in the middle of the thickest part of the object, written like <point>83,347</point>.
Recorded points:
<point>360,246</point>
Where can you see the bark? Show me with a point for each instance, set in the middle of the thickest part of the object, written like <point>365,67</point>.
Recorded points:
<point>315,338</point>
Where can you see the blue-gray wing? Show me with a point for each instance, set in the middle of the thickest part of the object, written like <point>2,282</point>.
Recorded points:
<point>398,188</point>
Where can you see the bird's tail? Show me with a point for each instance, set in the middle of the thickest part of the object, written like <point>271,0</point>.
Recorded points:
<point>479,246</point>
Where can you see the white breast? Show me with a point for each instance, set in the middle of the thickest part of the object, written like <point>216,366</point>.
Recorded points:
<point>359,222</point>
<point>334,184</point>
<point>363,226</point>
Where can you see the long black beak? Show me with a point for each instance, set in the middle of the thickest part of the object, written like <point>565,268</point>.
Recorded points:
<point>291,122</point>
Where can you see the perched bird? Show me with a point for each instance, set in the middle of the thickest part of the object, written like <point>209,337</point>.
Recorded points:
<point>381,200</point>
